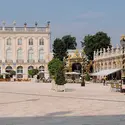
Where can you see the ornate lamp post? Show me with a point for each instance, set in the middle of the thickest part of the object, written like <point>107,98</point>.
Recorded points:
<point>122,41</point>
<point>84,64</point>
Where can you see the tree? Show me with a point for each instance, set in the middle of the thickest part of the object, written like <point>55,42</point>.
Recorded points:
<point>60,77</point>
<point>69,41</point>
<point>93,42</point>
<point>33,72</point>
<point>12,73</point>
<point>53,67</point>
<point>59,49</point>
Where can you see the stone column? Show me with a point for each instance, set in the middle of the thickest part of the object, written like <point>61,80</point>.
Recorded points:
<point>35,45</point>
<point>3,49</point>
<point>14,50</point>
<point>25,72</point>
<point>25,50</point>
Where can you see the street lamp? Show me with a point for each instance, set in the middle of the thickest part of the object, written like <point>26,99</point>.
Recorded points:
<point>84,64</point>
<point>122,42</point>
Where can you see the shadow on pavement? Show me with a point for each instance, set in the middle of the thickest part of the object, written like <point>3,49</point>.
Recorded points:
<point>64,118</point>
<point>63,97</point>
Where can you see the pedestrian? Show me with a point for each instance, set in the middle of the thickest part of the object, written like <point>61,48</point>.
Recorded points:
<point>104,80</point>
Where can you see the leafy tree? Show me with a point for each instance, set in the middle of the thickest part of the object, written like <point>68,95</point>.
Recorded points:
<point>94,42</point>
<point>33,72</point>
<point>12,73</point>
<point>87,77</point>
<point>59,49</point>
<point>60,77</point>
<point>69,41</point>
<point>53,66</point>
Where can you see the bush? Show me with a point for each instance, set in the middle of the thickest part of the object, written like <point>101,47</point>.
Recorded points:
<point>1,76</point>
<point>60,77</point>
<point>53,67</point>
<point>87,77</point>
<point>12,73</point>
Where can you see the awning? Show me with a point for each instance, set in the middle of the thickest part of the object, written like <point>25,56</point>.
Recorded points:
<point>72,73</point>
<point>105,72</point>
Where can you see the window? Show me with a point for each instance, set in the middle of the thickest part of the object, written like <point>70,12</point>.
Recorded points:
<point>9,54</point>
<point>41,54</point>
<point>31,41</point>
<point>41,41</point>
<point>30,68</point>
<point>19,54</point>
<point>41,68</point>
<point>30,54</point>
<point>8,68</point>
<point>19,41</point>
<point>20,69</point>
<point>9,41</point>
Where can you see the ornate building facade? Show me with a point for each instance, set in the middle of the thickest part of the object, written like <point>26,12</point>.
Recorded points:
<point>108,59</point>
<point>24,48</point>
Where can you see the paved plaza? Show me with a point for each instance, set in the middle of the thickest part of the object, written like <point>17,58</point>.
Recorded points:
<point>37,104</point>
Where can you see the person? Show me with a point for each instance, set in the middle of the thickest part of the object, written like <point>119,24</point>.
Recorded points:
<point>104,80</point>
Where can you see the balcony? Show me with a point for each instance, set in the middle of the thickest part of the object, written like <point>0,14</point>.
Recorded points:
<point>31,61</point>
<point>9,61</point>
<point>20,61</point>
<point>41,61</point>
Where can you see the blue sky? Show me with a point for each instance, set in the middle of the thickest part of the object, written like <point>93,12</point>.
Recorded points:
<point>75,17</point>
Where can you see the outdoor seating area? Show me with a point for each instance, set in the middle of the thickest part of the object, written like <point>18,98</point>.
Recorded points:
<point>116,87</point>
<point>11,79</point>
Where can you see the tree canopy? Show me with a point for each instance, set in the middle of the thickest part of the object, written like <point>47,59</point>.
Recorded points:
<point>69,41</point>
<point>60,77</point>
<point>53,66</point>
<point>59,49</point>
<point>60,46</point>
<point>94,42</point>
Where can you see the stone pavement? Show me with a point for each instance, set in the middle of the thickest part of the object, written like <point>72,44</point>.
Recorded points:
<point>37,104</point>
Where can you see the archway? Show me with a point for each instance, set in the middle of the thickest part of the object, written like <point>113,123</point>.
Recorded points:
<point>41,72</point>
<point>19,72</point>
<point>8,69</point>
<point>30,68</point>
<point>76,67</point>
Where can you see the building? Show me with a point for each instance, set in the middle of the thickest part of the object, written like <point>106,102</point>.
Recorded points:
<point>24,48</point>
<point>108,62</point>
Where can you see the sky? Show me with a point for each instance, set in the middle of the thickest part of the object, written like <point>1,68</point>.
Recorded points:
<point>75,17</point>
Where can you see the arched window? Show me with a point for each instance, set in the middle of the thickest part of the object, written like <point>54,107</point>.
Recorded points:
<point>19,41</point>
<point>30,41</point>
<point>41,41</point>
<point>19,54</point>
<point>9,54</point>
<point>30,54</point>
<point>9,41</point>
<point>30,67</point>
<point>8,68</point>
<point>19,69</point>
<point>41,68</point>
<point>41,54</point>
